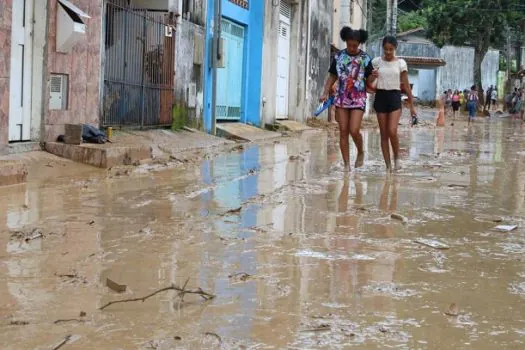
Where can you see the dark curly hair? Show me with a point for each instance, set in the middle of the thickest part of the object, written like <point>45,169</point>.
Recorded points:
<point>359,35</point>
<point>390,40</point>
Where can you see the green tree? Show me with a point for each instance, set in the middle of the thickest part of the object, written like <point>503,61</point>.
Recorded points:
<point>411,20</point>
<point>480,24</point>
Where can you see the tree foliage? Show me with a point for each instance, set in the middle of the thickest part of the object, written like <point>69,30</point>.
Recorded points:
<point>478,23</point>
<point>412,20</point>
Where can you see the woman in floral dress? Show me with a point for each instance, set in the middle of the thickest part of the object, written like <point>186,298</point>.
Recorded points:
<point>350,68</point>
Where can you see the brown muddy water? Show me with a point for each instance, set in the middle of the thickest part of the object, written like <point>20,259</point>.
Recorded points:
<point>312,259</point>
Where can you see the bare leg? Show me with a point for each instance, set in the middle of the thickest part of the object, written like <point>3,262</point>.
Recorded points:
<point>356,116</point>
<point>393,122</point>
<point>382,119</point>
<point>344,131</point>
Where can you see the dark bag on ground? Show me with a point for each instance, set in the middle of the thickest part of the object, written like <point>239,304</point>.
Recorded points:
<point>90,134</point>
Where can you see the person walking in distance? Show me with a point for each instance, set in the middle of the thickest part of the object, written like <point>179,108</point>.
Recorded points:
<point>472,103</point>
<point>390,71</point>
<point>351,68</point>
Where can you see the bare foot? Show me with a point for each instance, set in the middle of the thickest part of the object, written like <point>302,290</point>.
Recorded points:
<point>397,165</point>
<point>347,168</point>
<point>360,161</point>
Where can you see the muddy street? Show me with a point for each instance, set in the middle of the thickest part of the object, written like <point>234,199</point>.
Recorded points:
<point>296,254</point>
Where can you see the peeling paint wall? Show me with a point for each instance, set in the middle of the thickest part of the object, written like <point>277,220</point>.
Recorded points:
<point>188,75</point>
<point>310,39</point>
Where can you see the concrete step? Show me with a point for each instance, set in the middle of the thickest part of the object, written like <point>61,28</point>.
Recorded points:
<point>19,147</point>
<point>240,131</point>
<point>292,125</point>
<point>102,156</point>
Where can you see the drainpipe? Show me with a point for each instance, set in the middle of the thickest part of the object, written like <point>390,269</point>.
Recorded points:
<point>215,62</point>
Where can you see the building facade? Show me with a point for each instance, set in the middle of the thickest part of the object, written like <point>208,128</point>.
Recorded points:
<point>296,57</point>
<point>433,70</point>
<point>239,75</point>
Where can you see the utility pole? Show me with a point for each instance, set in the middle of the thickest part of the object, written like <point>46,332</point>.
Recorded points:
<point>391,17</point>
<point>215,62</point>
<point>508,87</point>
<point>394,18</point>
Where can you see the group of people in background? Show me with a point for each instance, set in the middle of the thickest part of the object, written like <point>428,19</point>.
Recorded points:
<point>468,100</point>
<point>353,74</point>
<point>515,104</point>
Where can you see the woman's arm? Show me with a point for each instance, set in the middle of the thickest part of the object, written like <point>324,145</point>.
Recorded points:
<point>329,83</point>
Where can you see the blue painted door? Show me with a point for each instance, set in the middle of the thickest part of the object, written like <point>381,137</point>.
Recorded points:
<point>230,78</point>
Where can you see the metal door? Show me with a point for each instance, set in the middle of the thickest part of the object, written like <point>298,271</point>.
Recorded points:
<point>283,61</point>
<point>139,74</point>
<point>20,78</point>
<point>230,78</point>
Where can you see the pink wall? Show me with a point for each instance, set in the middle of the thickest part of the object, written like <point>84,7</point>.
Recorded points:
<point>84,70</point>
<point>5,57</point>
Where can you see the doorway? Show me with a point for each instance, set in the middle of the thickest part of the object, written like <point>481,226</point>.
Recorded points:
<point>283,61</point>
<point>20,74</point>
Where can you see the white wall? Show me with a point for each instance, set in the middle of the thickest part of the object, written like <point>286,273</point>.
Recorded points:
<point>459,70</point>
<point>39,62</point>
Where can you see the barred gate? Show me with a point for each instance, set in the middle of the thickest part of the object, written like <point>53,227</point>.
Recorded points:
<point>139,67</point>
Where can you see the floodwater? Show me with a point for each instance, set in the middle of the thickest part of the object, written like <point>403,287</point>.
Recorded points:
<point>311,260</point>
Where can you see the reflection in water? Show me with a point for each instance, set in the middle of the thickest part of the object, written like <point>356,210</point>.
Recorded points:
<point>319,248</point>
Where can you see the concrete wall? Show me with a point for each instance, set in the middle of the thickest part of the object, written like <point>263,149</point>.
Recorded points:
<point>318,58</point>
<point>5,66</point>
<point>459,71</point>
<point>188,73</point>
<point>310,39</point>
<point>406,49</point>
<point>83,65</point>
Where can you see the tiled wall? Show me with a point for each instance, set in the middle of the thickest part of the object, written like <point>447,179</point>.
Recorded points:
<point>5,57</point>
<point>83,67</point>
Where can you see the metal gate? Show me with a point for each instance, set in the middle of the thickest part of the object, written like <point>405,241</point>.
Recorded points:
<point>230,78</point>
<point>139,67</point>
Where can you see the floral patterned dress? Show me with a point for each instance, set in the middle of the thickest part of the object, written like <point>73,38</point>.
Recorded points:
<point>352,72</point>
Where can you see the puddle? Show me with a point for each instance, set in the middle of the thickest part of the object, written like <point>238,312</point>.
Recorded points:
<point>303,238</point>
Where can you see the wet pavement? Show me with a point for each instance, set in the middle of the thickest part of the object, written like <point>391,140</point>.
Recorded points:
<point>312,259</point>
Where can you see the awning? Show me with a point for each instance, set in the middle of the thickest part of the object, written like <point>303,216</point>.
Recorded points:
<point>424,61</point>
<point>73,8</point>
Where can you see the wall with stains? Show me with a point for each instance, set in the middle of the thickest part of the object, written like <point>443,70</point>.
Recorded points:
<point>5,58</point>
<point>188,82</point>
<point>318,52</point>
<point>459,70</point>
<point>82,65</point>
<point>310,39</point>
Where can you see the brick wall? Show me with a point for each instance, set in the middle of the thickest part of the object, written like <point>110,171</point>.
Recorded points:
<point>5,57</point>
<point>84,70</point>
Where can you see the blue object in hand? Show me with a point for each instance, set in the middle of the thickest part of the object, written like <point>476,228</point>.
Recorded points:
<point>324,106</point>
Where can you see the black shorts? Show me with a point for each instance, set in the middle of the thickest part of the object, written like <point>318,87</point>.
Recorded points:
<point>456,105</point>
<point>387,101</point>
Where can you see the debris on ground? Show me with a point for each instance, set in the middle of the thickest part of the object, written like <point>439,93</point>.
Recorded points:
<point>399,217</point>
<point>234,211</point>
<point>506,228</point>
<point>181,293</point>
<point>119,288</point>
<point>452,310</point>
<point>432,243</point>
<point>215,335</point>
<point>321,328</point>
<point>241,276</point>
<point>496,219</point>
<point>18,323</point>
<point>62,343</point>
<point>27,235</point>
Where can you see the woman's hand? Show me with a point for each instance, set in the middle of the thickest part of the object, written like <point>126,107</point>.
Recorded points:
<point>413,110</point>
<point>375,73</point>
<point>323,98</point>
